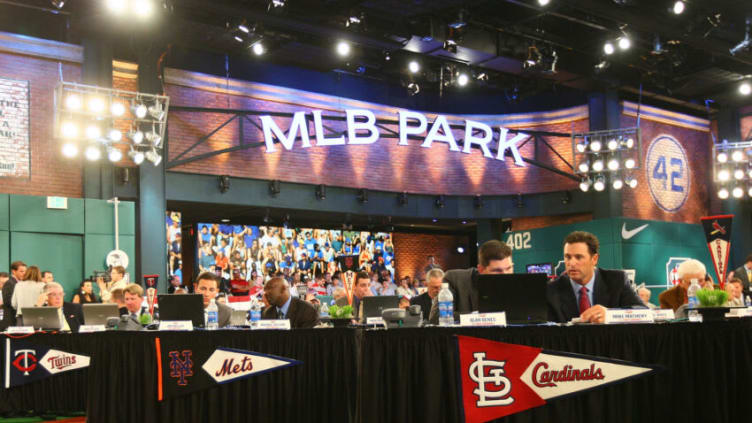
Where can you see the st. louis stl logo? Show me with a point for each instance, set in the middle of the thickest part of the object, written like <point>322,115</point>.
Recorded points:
<point>484,372</point>
<point>181,369</point>
<point>25,361</point>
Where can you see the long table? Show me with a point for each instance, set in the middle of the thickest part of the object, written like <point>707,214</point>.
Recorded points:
<point>355,375</point>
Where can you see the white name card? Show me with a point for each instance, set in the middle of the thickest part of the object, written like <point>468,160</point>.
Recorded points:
<point>176,325</point>
<point>375,321</point>
<point>629,316</point>
<point>740,312</point>
<point>663,314</point>
<point>280,324</point>
<point>18,330</point>
<point>484,319</point>
<point>91,328</point>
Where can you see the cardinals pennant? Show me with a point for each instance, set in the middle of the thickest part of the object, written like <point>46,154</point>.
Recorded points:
<point>718,235</point>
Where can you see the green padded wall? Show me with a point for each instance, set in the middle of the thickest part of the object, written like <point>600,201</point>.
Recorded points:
<point>30,214</point>
<point>62,254</point>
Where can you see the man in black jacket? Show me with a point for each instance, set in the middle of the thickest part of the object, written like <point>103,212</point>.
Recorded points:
<point>17,273</point>
<point>434,278</point>
<point>283,306</point>
<point>586,291</point>
<point>744,273</point>
<point>72,313</point>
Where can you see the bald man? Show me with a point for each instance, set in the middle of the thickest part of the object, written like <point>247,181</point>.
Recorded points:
<point>283,306</point>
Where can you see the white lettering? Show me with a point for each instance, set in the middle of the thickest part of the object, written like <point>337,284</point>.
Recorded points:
<point>369,125</point>
<point>510,144</point>
<point>298,125</point>
<point>321,138</point>
<point>447,136</point>
<point>405,130</point>
<point>482,142</point>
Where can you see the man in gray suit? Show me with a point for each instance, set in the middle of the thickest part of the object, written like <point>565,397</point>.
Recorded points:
<point>494,257</point>
<point>744,273</point>
<point>207,285</point>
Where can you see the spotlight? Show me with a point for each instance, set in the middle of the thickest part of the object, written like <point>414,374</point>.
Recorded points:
<point>544,2</point>
<point>136,136</point>
<point>402,199</point>
<point>608,48</point>
<point>745,43</point>
<point>478,201</point>
<point>737,192</point>
<point>724,175</point>
<point>387,56</point>
<point>629,163</point>
<point>625,43</point>
<point>598,165</point>
<point>153,157</point>
<point>114,154</point>
<point>737,156</point>
<point>584,167</point>
<point>617,184</point>
<point>274,188</point>
<point>462,79</point>
<point>450,46</point>
<point>238,38</point>
<point>343,48</point>
<point>613,164</point>
<point>136,156</point>
<point>749,173</point>
<point>596,146</point>
<point>613,144</point>
<point>413,89</point>
<point>157,111</point>
<point>722,157</point>
<point>362,196</point>
<point>244,28</point>
<point>93,132</point>
<point>267,218</point>
<point>460,250</point>
<point>96,105</point>
<point>224,184</point>
<point>631,181</point>
<point>413,66</point>
<point>73,102</point>
<point>629,143</point>
<point>439,201</point>
<point>116,6</point>
<point>273,4</point>
<point>585,185</point>
<point>154,138</point>
<point>749,192</point>
<point>601,66</point>
<point>58,3</point>
<point>93,153</point>
<point>723,193</point>
<point>566,198</point>
<point>258,48</point>
<point>581,147</point>
<point>70,149</point>
<point>117,109</point>
<point>738,174</point>
<point>114,135</point>
<point>745,88</point>
<point>678,8</point>
<point>143,8</point>
<point>599,184</point>
<point>139,110</point>
<point>321,192</point>
<point>69,130</point>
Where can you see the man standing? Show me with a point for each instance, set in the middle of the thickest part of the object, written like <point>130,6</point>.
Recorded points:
<point>744,274</point>
<point>207,285</point>
<point>283,306</point>
<point>425,300</point>
<point>71,315</point>
<point>585,291</point>
<point>677,296</point>
<point>116,282</point>
<point>47,276</point>
<point>494,257</point>
<point>17,273</point>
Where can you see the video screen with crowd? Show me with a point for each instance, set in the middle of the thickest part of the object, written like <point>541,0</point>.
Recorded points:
<point>259,252</point>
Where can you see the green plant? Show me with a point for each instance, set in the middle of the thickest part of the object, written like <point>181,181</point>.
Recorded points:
<point>145,319</point>
<point>712,297</point>
<point>337,312</point>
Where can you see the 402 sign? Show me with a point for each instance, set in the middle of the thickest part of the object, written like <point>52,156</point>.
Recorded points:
<point>668,173</point>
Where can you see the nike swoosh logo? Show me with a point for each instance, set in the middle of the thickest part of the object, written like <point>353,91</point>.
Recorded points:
<point>629,234</point>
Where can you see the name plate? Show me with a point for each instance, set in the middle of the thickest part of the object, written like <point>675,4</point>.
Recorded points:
<point>484,319</point>
<point>176,325</point>
<point>91,328</point>
<point>281,324</point>
<point>18,330</point>
<point>629,316</point>
<point>663,314</point>
<point>740,312</point>
<point>375,321</point>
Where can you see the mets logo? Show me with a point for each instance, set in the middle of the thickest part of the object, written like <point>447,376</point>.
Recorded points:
<point>25,361</point>
<point>181,369</point>
<point>485,372</point>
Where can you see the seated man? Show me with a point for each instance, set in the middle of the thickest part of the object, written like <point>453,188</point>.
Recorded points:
<point>734,288</point>
<point>677,296</point>
<point>133,298</point>
<point>644,294</point>
<point>207,285</point>
<point>361,289</point>
<point>585,291</point>
<point>71,315</point>
<point>425,300</point>
<point>283,306</point>
<point>340,297</point>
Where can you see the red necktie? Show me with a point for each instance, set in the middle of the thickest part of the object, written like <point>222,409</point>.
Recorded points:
<point>584,300</point>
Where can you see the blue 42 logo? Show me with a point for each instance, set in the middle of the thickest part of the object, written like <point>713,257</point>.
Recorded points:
<point>677,172</point>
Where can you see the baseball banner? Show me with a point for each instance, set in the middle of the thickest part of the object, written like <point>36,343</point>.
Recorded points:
<point>499,379</point>
<point>718,235</point>
<point>26,362</point>
<point>349,265</point>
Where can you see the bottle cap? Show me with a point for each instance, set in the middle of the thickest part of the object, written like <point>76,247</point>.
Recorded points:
<point>444,285</point>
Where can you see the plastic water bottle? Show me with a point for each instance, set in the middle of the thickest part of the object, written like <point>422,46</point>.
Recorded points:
<point>324,310</point>
<point>747,301</point>
<point>446,306</point>
<point>255,313</point>
<point>212,320</point>
<point>694,315</point>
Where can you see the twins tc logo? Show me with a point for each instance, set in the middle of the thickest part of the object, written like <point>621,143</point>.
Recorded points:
<point>25,361</point>
<point>495,375</point>
<point>181,368</point>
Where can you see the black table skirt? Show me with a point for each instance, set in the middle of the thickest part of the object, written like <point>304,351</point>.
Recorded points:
<point>406,375</point>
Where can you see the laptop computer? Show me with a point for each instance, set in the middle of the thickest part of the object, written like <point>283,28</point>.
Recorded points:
<point>182,307</point>
<point>97,314</point>
<point>373,306</point>
<point>41,318</point>
<point>521,295</point>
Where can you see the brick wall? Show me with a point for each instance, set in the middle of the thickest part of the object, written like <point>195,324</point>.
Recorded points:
<point>411,252</point>
<point>528,223</point>
<point>51,173</point>
<point>383,165</point>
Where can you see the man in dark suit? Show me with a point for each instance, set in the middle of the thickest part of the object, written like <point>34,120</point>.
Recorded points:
<point>283,306</point>
<point>73,313</point>
<point>361,289</point>
<point>494,257</point>
<point>17,273</point>
<point>744,273</point>
<point>586,291</point>
<point>434,277</point>
<point>208,285</point>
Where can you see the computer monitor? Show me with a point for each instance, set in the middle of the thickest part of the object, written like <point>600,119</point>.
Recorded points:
<point>97,314</point>
<point>373,306</point>
<point>540,268</point>
<point>182,307</point>
<point>41,317</point>
<point>521,295</point>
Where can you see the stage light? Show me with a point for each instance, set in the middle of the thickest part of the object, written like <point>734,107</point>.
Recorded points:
<point>601,66</point>
<point>724,175</point>
<point>413,89</point>
<point>723,193</point>
<point>629,163</point>
<point>613,164</point>
<point>624,43</point>
<point>738,174</point>
<point>58,3</point>
<point>617,184</point>
<point>274,4</point>
<point>139,110</point>
<point>402,199</point>
<point>321,192</point>
<point>157,111</point>
<point>450,46</point>
<point>544,2</point>
<point>153,157</point>
<point>598,165</point>
<point>595,146</point>
<point>387,56</point>
<point>238,39</point>
<point>585,185</point>
<point>462,79</point>
<point>258,48</point>
<point>749,192</point>
<point>460,250</point>
<point>117,109</point>
<point>478,201</point>
<point>116,6</point>
<point>136,136</point>
<point>69,130</point>
<point>114,154</point>
<point>413,66</point>
<point>93,153</point>
<point>70,149</point>
<point>749,173</point>
<point>722,157</point>
<point>136,156</point>
<point>581,147</point>
<point>114,135</point>
<point>96,105</point>
<point>343,48</point>
<point>608,48</point>
<point>631,181</point>
<point>599,184</point>
<point>584,167</point>
<point>613,144</point>
<point>143,8</point>
<point>362,196</point>
<point>678,7</point>
<point>73,102</point>
<point>244,28</point>
<point>737,192</point>
<point>93,132</point>
<point>745,88</point>
<point>154,138</point>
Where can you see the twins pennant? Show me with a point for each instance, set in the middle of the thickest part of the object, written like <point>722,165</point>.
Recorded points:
<point>500,379</point>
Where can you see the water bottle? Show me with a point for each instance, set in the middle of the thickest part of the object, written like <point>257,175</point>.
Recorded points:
<point>255,313</point>
<point>446,306</point>
<point>212,321</point>
<point>694,315</point>
<point>747,301</point>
